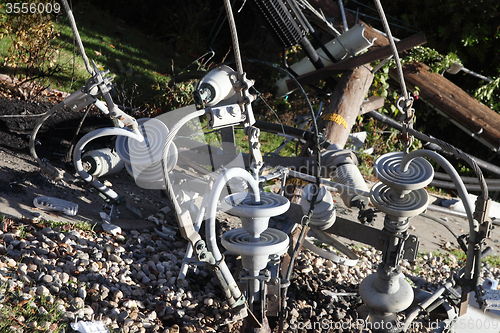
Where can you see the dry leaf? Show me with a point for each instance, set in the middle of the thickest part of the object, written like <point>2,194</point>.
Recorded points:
<point>97,53</point>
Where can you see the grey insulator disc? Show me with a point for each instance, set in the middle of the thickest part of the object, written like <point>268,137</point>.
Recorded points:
<point>240,204</point>
<point>387,170</point>
<point>272,241</point>
<point>387,200</point>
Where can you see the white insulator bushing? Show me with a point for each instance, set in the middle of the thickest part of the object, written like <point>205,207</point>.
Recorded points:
<point>388,170</point>
<point>102,162</point>
<point>255,255</point>
<point>348,174</point>
<point>398,298</point>
<point>255,218</point>
<point>391,202</point>
<point>145,157</point>
<point>349,43</point>
<point>324,215</point>
<point>217,84</point>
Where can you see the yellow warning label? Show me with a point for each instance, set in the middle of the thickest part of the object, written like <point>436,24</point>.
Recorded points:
<point>336,118</point>
<point>296,182</point>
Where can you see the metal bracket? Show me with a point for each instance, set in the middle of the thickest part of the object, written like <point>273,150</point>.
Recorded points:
<point>78,100</point>
<point>256,162</point>
<point>410,248</point>
<point>224,116</point>
<point>481,214</point>
<point>490,299</point>
<point>273,296</point>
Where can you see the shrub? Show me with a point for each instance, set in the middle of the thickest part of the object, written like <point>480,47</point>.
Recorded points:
<point>32,54</point>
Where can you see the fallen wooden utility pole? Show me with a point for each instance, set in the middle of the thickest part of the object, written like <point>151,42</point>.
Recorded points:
<point>345,104</point>
<point>467,112</point>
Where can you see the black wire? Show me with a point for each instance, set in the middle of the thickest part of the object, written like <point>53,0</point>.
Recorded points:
<point>430,217</point>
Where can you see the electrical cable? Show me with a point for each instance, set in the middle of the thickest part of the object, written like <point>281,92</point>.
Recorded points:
<point>67,159</point>
<point>393,48</point>
<point>457,152</point>
<point>430,217</point>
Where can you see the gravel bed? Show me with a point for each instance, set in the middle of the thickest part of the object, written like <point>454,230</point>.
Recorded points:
<point>129,281</point>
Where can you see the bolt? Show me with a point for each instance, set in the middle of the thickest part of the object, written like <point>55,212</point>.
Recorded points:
<point>273,298</point>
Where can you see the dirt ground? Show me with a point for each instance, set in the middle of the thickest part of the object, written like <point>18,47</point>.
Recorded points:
<point>21,181</point>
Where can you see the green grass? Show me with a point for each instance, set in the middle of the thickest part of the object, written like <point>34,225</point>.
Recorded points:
<point>66,226</point>
<point>492,260</point>
<point>29,314</point>
<point>132,57</point>
<point>269,141</point>
<point>137,62</point>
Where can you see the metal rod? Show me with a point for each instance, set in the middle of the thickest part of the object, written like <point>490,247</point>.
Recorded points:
<point>342,11</point>
<point>338,186</point>
<point>77,36</point>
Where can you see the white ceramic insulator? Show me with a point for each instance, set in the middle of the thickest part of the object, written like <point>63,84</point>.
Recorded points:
<point>102,162</point>
<point>270,204</point>
<point>324,215</point>
<point>349,43</point>
<point>255,218</point>
<point>219,79</point>
<point>391,202</point>
<point>144,158</point>
<point>348,174</point>
<point>388,170</point>
<point>255,256</point>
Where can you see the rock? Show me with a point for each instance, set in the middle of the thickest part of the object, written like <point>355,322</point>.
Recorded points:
<point>47,279</point>
<point>82,293</point>
<point>42,291</point>
<point>78,302</point>
<point>114,257</point>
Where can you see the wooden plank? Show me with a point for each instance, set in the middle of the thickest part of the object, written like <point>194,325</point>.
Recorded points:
<point>455,102</point>
<point>373,103</point>
<point>351,63</point>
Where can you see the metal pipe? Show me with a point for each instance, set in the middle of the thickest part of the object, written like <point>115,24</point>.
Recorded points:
<point>396,125</point>
<point>342,12</point>
<point>463,194</point>
<point>470,187</point>
<point>425,304</point>
<point>470,180</point>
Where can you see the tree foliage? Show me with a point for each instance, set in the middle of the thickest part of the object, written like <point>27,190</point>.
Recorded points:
<point>32,56</point>
<point>465,29</point>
